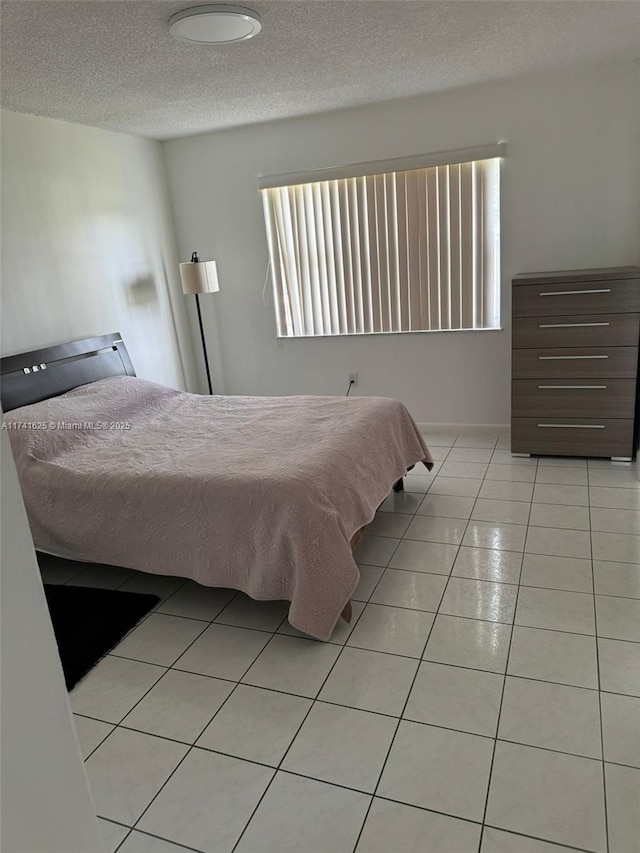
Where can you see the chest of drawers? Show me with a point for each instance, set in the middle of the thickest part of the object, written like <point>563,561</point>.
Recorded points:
<point>575,340</point>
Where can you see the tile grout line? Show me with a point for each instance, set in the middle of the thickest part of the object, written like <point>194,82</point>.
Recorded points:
<point>343,787</point>
<point>538,838</point>
<point>502,551</point>
<point>190,747</point>
<point>172,666</point>
<point>335,704</point>
<point>373,713</point>
<point>236,685</point>
<point>400,717</point>
<point>151,835</point>
<point>406,702</point>
<point>504,683</point>
<point>597,645</point>
<point>314,699</point>
<point>166,667</point>
<point>391,654</point>
<point>280,633</point>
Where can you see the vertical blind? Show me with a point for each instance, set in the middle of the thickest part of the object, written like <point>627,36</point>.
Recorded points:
<point>400,251</point>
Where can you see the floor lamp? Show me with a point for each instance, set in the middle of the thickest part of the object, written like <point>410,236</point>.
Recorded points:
<point>200,277</point>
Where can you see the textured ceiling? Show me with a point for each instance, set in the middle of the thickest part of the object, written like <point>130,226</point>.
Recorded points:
<point>113,64</point>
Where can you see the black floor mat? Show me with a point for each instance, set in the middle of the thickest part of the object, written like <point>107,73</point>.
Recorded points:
<point>89,622</point>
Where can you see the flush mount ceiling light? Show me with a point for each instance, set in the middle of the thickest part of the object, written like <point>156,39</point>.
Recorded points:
<point>217,24</point>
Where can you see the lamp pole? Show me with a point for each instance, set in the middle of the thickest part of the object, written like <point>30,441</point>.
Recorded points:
<point>204,344</point>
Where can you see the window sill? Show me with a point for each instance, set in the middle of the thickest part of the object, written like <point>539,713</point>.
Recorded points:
<point>280,338</point>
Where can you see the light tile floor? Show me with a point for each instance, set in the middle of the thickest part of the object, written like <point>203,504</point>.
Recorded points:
<point>485,699</point>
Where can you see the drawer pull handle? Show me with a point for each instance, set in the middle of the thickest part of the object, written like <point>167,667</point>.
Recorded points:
<point>573,292</point>
<point>573,386</point>
<point>569,325</point>
<point>571,426</point>
<point>568,357</point>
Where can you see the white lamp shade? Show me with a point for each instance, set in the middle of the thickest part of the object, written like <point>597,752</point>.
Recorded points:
<point>201,277</point>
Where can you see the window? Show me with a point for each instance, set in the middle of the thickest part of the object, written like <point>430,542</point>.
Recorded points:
<point>398,250</point>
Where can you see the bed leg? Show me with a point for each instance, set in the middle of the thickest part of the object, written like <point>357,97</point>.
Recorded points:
<point>399,486</point>
<point>347,612</point>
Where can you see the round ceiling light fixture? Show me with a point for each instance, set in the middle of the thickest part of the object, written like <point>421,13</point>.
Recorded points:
<point>219,24</point>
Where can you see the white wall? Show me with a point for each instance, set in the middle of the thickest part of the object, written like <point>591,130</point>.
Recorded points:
<point>570,200</point>
<point>46,807</point>
<point>88,245</point>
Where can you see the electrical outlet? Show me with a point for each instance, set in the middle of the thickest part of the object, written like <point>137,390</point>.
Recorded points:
<point>353,377</point>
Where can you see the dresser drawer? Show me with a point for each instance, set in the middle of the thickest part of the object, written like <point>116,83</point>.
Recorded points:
<point>609,398</point>
<point>575,363</point>
<point>589,297</point>
<point>572,436</point>
<point>575,330</point>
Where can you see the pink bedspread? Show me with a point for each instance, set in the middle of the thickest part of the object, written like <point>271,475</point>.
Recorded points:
<point>260,494</point>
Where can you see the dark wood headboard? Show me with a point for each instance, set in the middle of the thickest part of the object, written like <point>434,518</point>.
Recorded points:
<point>42,373</point>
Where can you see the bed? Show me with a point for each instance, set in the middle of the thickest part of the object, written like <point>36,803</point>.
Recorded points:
<point>261,494</point>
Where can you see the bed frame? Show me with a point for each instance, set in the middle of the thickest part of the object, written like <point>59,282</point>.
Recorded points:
<point>30,377</point>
